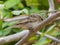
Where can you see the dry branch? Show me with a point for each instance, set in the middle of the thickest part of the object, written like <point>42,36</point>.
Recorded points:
<point>51,6</point>
<point>26,34</point>
<point>47,21</point>
<point>16,18</point>
<point>14,37</point>
<point>40,26</point>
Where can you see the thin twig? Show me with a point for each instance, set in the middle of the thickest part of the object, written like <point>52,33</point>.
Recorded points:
<point>50,37</point>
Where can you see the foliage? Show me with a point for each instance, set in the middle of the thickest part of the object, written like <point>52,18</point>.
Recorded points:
<point>11,8</point>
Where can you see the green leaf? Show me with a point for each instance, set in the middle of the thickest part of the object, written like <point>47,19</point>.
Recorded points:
<point>33,38</point>
<point>48,31</point>
<point>6,31</point>
<point>42,41</point>
<point>44,3</point>
<point>58,33</point>
<point>50,28</point>
<point>19,6</point>
<point>1,32</point>
<point>7,14</point>
<point>10,3</point>
<point>32,2</point>
<point>18,12</point>
<point>1,22</point>
<point>34,10</point>
<point>53,32</point>
<point>17,30</point>
<point>6,24</point>
<point>12,23</point>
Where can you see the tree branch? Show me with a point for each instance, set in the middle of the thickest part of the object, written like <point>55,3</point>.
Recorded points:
<point>14,37</point>
<point>51,6</point>
<point>47,21</point>
<point>24,37</point>
<point>40,26</point>
<point>16,18</point>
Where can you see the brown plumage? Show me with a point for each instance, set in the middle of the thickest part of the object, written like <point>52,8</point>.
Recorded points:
<point>30,22</point>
